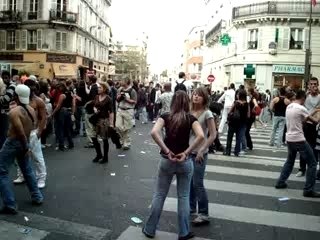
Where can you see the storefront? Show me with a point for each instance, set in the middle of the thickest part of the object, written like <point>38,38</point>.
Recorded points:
<point>288,75</point>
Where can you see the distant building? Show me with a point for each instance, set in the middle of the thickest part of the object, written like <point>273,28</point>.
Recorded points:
<point>261,43</point>
<point>55,38</point>
<point>192,58</point>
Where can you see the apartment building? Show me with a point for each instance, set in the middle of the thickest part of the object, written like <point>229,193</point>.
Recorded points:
<point>192,58</point>
<point>54,38</point>
<point>260,43</point>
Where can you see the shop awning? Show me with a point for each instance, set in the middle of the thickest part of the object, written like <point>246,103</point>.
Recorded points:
<point>63,70</point>
<point>31,68</point>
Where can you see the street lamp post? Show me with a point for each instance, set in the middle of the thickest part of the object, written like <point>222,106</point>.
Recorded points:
<point>307,67</point>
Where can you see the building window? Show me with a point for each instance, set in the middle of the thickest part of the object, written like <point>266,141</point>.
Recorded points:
<point>296,38</point>
<point>32,40</point>
<point>200,67</point>
<point>11,40</point>
<point>61,41</point>
<point>33,10</point>
<point>253,39</point>
<point>13,5</point>
<point>3,5</point>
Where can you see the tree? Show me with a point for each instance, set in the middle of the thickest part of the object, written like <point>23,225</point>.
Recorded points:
<point>164,73</point>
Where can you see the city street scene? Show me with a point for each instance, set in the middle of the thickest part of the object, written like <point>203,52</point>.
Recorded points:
<point>167,120</point>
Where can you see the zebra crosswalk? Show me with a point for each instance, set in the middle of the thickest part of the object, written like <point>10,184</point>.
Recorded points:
<point>242,196</point>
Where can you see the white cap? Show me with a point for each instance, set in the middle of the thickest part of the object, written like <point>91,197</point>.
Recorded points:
<point>33,78</point>
<point>23,93</point>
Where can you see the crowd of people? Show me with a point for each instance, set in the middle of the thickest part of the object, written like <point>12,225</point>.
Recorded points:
<point>186,128</point>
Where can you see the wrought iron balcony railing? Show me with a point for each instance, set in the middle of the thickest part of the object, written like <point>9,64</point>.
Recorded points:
<point>215,30</point>
<point>10,16</point>
<point>273,8</point>
<point>63,16</point>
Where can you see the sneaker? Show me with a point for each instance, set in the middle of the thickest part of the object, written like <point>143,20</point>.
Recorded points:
<point>311,194</point>
<point>37,202</point>
<point>48,145</point>
<point>281,186</point>
<point>300,174</point>
<point>189,236</point>
<point>146,234</point>
<point>43,146</point>
<point>8,211</point>
<point>19,180</point>
<point>201,220</point>
<point>153,122</point>
<point>41,183</point>
<point>126,147</point>
<point>271,144</point>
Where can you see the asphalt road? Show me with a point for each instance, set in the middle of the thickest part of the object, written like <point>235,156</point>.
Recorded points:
<point>84,200</point>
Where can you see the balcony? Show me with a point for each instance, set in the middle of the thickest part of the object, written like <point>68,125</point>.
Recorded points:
<point>10,16</point>
<point>11,46</point>
<point>32,46</point>
<point>62,16</point>
<point>274,9</point>
<point>213,32</point>
<point>32,15</point>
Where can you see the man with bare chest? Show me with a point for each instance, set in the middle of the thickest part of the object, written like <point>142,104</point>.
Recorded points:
<point>35,136</point>
<point>16,146</point>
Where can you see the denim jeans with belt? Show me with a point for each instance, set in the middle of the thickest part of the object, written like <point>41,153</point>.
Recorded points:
<point>306,153</point>
<point>12,149</point>
<point>198,193</point>
<point>167,169</point>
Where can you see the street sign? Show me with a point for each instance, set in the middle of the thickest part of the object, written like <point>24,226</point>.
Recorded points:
<point>225,39</point>
<point>211,78</point>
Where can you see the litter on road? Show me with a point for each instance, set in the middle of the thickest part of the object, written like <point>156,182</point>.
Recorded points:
<point>143,152</point>
<point>136,220</point>
<point>113,174</point>
<point>121,155</point>
<point>284,199</point>
<point>25,230</point>
<point>26,219</point>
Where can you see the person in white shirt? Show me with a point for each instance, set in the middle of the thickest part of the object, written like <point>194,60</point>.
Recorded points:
<point>228,97</point>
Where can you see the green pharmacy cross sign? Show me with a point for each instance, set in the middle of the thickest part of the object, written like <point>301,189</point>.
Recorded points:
<point>225,39</point>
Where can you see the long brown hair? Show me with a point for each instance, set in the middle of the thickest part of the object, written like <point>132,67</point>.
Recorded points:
<point>202,92</point>
<point>180,107</point>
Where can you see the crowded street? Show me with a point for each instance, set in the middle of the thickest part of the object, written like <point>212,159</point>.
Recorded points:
<point>98,202</point>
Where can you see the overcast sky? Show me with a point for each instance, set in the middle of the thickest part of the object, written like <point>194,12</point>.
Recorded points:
<point>166,22</point>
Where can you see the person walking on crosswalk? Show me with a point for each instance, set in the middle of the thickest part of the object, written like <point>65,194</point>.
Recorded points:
<point>228,97</point>
<point>198,193</point>
<point>176,160</point>
<point>296,114</point>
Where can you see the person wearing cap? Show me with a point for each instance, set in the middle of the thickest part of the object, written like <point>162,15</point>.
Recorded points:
<point>35,144</point>
<point>16,146</point>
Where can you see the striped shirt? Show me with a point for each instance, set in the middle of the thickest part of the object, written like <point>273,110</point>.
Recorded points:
<point>7,97</point>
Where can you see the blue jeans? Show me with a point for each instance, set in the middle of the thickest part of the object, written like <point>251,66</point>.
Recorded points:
<point>277,125</point>
<point>12,149</point>
<point>166,171</point>
<point>240,135</point>
<point>198,193</point>
<point>4,125</point>
<point>306,153</point>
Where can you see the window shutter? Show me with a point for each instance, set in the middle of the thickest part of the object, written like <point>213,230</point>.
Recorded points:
<point>244,39</point>
<point>18,39</point>
<point>306,39</point>
<point>39,39</point>
<point>64,42</point>
<point>260,39</point>
<point>58,41</point>
<point>3,40</point>
<point>24,39</point>
<point>285,38</point>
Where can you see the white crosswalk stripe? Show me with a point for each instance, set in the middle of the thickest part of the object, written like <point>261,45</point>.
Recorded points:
<point>252,176</point>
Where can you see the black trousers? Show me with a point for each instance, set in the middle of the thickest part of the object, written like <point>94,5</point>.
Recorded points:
<point>310,133</point>
<point>248,136</point>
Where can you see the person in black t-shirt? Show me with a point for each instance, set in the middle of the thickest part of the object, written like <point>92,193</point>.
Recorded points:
<point>237,125</point>
<point>175,150</point>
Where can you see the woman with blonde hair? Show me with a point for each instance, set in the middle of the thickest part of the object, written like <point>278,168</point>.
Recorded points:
<point>102,119</point>
<point>176,160</point>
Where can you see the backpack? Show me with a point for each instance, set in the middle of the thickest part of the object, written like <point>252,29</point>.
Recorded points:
<point>180,86</point>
